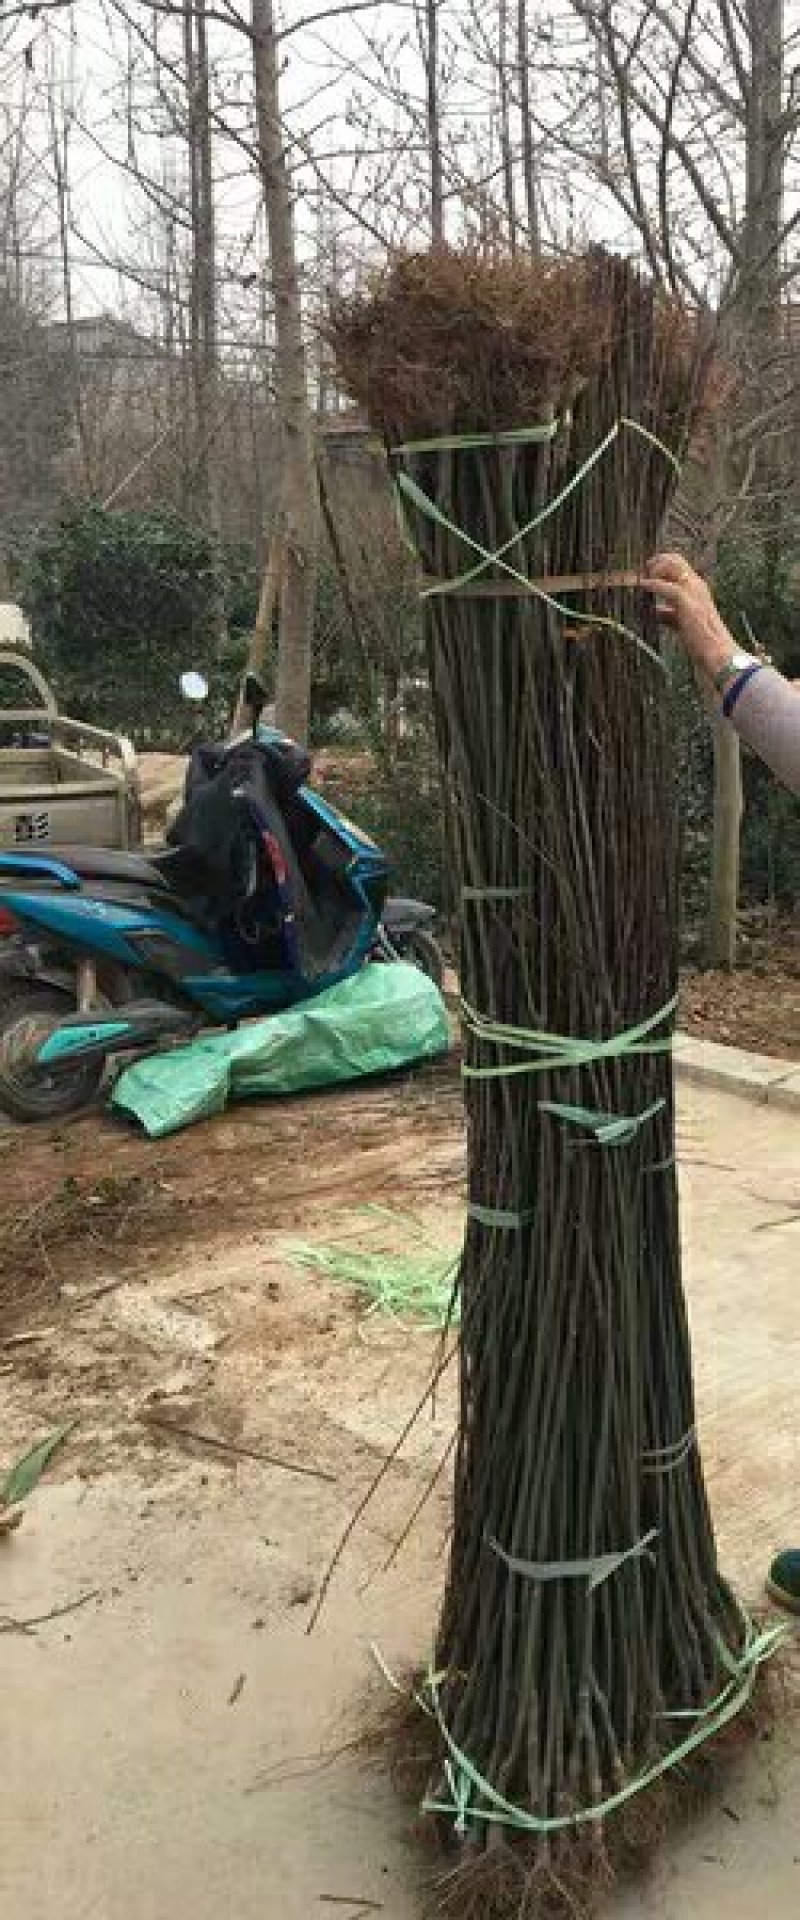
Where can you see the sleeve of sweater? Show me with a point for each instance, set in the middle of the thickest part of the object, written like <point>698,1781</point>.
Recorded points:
<point>767,716</point>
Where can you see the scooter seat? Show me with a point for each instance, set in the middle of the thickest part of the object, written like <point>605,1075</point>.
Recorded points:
<point>107,863</point>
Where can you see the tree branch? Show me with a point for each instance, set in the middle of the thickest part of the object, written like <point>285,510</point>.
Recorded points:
<point>646,107</point>
<point>729,30</point>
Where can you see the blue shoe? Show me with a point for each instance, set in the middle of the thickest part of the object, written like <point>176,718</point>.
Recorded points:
<point>783,1579</point>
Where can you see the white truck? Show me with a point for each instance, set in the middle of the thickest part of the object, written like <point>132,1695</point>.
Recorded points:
<point>62,783</point>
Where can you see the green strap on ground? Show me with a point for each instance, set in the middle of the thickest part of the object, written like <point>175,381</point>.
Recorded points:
<point>467,1780</point>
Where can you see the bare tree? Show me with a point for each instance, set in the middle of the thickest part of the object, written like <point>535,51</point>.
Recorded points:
<point>60,126</point>
<point>684,126</point>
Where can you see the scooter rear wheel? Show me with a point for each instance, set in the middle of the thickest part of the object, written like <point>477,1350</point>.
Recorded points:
<point>422,950</point>
<point>27,1091</point>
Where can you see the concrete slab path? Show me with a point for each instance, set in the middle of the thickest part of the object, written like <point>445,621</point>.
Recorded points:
<point>178,1749</point>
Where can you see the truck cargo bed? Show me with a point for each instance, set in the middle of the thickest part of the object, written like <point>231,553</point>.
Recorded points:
<point>62,781</point>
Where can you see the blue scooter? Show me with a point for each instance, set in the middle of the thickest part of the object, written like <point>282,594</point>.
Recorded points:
<point>263,896</point>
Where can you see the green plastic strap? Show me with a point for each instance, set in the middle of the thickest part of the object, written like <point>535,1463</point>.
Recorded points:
<point>660,446</point>
<point>668,1465</point>
<point>428,507</point>
<point>758,1649</point>
<point>712,1718</point>
<point>464,443</point>
<point>674,1447</point>
<point>403,527</point>
<point>596,1570</point>
<point>461,1789</point>
<point>593,620</point>
<point>500,1216</point>
<point>554,1050</point>
<point>396,1685</point>
<point>609,1130</point>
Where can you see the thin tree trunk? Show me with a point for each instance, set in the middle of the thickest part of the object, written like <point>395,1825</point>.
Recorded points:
<point>429,44</point>
<point>723,895</point>
<point>367,701</point>
<point>200,469</point>
<point>528,152</point>
<point>755,322</point>
<point>11,243</point>
<point>268,599</point>
<point>60,155</point>
<point>207,275</point>
<point>298,485</point>
<point>504,103</point>
<point>767,152</point>
<point>203,283</point>
<point>725,852</point>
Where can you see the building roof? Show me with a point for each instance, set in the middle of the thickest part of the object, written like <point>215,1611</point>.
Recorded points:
<point>104,333</point>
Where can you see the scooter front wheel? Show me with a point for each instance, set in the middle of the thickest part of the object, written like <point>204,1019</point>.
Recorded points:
<point>30,1092</point>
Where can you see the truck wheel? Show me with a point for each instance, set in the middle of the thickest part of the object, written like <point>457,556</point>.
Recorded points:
<point>27,1091</point>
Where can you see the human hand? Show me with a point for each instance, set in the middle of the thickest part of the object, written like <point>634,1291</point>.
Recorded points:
<point>685,603</point>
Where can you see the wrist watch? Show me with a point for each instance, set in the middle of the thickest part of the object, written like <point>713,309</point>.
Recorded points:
<point>738,663</point>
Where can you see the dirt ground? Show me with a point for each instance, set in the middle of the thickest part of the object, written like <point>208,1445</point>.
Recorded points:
<point>175,1744</point>
<point>758,1007</point>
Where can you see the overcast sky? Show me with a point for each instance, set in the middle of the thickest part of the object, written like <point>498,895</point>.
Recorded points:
<point>352,89</point>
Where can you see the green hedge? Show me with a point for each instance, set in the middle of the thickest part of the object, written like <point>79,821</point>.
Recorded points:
<point>120,604</point>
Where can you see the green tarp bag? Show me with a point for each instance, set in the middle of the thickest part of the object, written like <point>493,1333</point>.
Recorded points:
<point>385,1017</point>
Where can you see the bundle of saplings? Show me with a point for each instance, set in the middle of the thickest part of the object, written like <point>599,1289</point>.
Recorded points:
<point>589,1646</point>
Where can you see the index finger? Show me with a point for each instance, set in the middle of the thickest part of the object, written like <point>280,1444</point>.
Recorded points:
<point>669,566</point>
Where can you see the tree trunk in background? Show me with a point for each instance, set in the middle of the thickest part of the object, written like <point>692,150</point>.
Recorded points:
<point>428,30</point>
<point>196,487</point>
<point>506,147</point>
<point>59,149</point>
<point>203,347</point>
<point>723,895</point>
<point>261,637</point>
<point>753,328</point>
<point>766,163</point>
<point>298,483</point>
<point>528,154</point>
<point>725,850</point>
<point>207,279</point>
